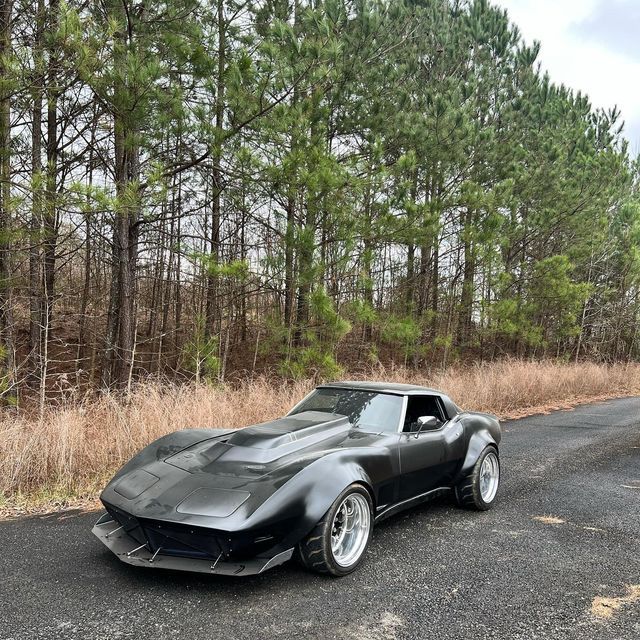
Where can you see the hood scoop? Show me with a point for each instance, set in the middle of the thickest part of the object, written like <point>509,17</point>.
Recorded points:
<point>308,425</point>
<point>260,444</point>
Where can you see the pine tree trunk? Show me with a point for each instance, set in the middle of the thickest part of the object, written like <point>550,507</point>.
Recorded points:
<point>84,302</point>
<point>468,278</point>
<point>305,271</point>
<point>111,332</point>
<point>178,297</point>
<point>409,290</point>
<point>50,219</point>
<point>411,251</point>
<point>7,374</point>
<point>434,288</point>
<point>426,249</point>
<point>213,302</point>
<point>121,321</point>
<point>35,283</point>
<point>86,288</point>
<point>127,175</point>
<point>290,232</point>
<point>288,262</point>
<point>243,257</point>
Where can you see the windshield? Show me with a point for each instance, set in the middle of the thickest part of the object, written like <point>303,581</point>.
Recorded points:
<point>367,410</point>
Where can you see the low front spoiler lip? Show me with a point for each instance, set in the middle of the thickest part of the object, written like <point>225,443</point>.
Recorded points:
<point>128,550</point>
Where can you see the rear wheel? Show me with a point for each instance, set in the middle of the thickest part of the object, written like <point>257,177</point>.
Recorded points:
<point>338,542</point>
<point>478,489</point>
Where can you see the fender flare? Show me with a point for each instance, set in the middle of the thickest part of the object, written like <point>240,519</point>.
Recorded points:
<point>478,442</point>
<point>309,494</point>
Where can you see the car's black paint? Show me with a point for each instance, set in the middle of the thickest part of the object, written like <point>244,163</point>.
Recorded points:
<point>245,498</point>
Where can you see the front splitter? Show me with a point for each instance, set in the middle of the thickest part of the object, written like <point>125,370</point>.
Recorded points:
<point>112,536</point>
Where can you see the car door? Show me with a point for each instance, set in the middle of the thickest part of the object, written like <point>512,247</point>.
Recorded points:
<point>429,458</point>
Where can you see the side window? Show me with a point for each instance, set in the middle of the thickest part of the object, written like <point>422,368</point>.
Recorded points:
<point>419,406</point>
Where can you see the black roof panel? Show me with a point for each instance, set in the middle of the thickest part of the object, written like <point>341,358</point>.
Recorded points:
<point>393,387</point>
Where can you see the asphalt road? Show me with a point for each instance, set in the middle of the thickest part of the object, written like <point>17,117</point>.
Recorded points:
<point>564,534</point>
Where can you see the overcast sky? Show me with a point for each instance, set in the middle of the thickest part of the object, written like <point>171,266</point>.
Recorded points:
<point>591,45</point>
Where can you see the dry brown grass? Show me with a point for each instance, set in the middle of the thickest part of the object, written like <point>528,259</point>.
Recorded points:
<point>605,608</point>
<point>72,450</point>
<point>549,519</point>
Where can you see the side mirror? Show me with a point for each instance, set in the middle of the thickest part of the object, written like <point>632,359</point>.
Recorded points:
<point>426,422</point>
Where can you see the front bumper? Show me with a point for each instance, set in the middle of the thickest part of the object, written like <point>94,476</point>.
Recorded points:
<point>129,550</point>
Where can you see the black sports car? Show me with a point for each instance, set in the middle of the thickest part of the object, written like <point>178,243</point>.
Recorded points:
<point>312,484</point>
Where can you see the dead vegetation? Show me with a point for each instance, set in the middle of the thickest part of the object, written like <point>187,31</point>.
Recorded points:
<point>604,608</point>
<point>549,519</point>
<point>69,453</point>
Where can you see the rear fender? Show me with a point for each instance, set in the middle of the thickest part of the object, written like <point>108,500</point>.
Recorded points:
<point>478,442</point>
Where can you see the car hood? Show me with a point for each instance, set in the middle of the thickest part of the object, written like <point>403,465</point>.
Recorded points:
<point>255,449</point>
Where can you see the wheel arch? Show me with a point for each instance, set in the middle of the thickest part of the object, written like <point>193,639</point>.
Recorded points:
<point>369,489</point>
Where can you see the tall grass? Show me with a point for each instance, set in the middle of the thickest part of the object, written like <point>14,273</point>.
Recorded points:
<point>73,449</point>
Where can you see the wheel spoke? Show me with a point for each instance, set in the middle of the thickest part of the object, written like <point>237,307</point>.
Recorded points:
<point>352,521</point>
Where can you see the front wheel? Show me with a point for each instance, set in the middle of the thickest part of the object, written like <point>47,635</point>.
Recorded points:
<point>478,489</point>
<point>338,542</point>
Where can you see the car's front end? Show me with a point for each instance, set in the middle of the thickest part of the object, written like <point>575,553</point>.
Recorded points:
<point>235,502</point>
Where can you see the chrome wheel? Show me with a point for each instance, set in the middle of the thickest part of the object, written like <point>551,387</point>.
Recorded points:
<point>489,477</point>
<point>350,529</point>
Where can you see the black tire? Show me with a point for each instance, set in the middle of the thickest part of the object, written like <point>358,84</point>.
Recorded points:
<point>468,494</point>
<point>315,553</point>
